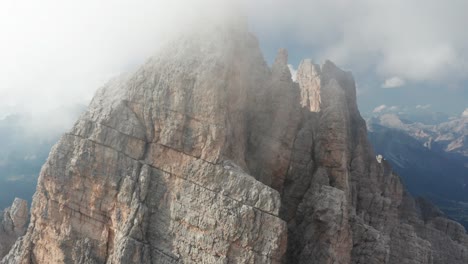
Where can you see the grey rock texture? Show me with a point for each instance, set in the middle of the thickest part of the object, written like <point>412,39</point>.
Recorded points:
<point>13,223</point>
<point>206,155</point>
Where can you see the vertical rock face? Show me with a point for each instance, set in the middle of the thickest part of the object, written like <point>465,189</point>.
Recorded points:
<point>308,77</point>
<point>206,155</point>
<point>13,224</point>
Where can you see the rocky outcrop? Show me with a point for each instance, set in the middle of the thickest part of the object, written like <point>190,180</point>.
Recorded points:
<point>13,224</point>
<point>206,155</point>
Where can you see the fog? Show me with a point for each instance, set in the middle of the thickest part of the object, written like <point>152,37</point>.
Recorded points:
<point>57,53</point>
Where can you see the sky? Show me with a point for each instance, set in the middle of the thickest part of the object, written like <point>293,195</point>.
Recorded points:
<point>56,53</point>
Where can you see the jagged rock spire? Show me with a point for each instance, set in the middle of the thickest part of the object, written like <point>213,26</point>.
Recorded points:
<point>309,79</point>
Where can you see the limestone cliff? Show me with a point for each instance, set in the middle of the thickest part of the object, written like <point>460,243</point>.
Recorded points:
<point>13,223</point>
<point>206,155</point>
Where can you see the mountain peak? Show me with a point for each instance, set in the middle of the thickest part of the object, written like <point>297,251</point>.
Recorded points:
<point>206,155</point>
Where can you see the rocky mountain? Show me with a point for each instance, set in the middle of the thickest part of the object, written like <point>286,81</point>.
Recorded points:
<point>13,223</point>
<point>207,155</point>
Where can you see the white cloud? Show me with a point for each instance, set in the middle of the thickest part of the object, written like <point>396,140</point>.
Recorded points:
<point>423,106</point>
<point>393,82</point>
<point>15,178</point>
<point>416,40</point>
<point>293,72</point>
<point>465,113</point>
<point>30,157</point>
<point>384,108</point>
<point>379,108</point>
<point>59,52</point>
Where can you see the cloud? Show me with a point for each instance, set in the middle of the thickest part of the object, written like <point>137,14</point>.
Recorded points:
<point>58,53</point>
<point>393,82</point>
<point>379,109</point>
<point>293,72</point>
<point>30,157</point>
<point>415,40</point>
<point>427,106</point>
<point>465,113</point>
<point>15,178</point>
<point>385,108</point>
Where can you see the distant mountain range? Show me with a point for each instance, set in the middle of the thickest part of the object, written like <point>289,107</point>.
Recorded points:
<point>430,152</point>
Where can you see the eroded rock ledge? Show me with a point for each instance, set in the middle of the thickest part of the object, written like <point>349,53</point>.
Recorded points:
<point>206,155</point>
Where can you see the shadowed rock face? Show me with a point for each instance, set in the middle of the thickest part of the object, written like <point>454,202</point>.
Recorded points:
<point>13,224</point>
<point>206,155</point>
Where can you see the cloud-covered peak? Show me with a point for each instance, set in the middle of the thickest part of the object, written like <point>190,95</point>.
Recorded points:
<point>59,52</point>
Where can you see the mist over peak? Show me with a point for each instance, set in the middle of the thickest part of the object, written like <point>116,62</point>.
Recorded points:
<point>69,49</point>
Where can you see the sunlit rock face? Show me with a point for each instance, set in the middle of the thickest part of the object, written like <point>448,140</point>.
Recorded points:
<point>309,79</point>
<point>13,223</point>
<point>207,155</point>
